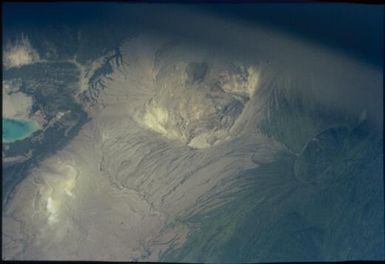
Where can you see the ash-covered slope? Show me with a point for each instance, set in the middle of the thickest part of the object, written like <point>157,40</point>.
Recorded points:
<point>194,156</point>
<point>198,97</point>
<point>122,189</point>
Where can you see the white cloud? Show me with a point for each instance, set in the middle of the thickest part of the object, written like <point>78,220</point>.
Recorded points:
<point>19,53</point>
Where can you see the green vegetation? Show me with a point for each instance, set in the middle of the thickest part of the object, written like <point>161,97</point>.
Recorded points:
<point>324,202</point>
<point>293,117</point>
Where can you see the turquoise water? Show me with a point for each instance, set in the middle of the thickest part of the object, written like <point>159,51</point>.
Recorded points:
<point>15,129</point>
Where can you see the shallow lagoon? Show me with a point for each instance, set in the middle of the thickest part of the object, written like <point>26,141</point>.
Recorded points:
<point>16,129</point>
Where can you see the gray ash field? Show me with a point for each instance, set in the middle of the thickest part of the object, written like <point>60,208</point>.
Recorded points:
<point>209,140</point>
